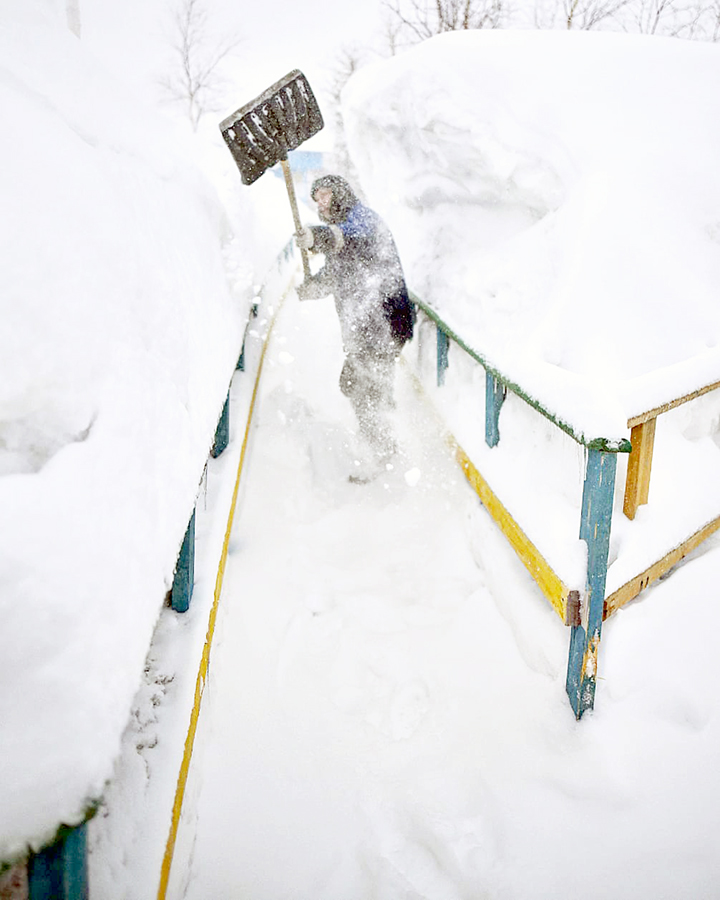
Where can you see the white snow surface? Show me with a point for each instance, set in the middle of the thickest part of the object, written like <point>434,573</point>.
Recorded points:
<point>398,728</point>
<point>121,329</point>
<point>386,715</point>
<point>555,196</point>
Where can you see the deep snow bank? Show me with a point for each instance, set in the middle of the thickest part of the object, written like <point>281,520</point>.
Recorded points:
<point>555,196</point>
<point>120,335</point>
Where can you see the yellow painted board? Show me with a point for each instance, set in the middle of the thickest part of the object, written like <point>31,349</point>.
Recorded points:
<point>632,588</point>
<point>532,559</point>
<point>549,583</point>
<point>637,485</point>
<point>671,404</point>
<point>202,675</point>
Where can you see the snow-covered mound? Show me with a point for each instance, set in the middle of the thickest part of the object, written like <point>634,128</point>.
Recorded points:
<point>119,338</point>
<point>555,196</point>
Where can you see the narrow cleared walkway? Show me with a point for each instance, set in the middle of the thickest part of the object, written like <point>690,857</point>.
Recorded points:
<point>385,715</point>
<point>344,609</point>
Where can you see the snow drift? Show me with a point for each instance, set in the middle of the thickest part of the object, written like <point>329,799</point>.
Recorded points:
<point>555,197</point>
<point>120,336</point>
<point>407,730</point>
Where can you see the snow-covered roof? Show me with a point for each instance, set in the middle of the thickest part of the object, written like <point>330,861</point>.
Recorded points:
<point>546,189</point>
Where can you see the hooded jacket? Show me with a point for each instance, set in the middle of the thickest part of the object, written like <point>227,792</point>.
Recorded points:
<point>363,272</point>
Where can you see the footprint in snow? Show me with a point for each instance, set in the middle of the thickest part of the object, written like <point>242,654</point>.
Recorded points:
<point>409,707</point>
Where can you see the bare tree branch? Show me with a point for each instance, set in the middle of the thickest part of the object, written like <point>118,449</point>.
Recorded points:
<point>196,81</point>
<point>589,14</point>
<point>347,62</point>
<point>413,21</point>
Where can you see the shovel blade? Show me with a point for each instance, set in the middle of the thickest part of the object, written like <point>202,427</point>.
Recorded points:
<point>261,132</point>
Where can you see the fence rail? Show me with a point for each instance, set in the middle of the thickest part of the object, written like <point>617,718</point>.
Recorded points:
<point>594,443</point>
<point>584,611</point>
<point>581,611</point>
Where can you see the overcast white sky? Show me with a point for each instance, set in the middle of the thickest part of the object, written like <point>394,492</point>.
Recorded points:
<point>277,36</point>
<point>281,35</point>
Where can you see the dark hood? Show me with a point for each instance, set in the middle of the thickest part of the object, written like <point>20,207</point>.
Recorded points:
<point>344,198</point>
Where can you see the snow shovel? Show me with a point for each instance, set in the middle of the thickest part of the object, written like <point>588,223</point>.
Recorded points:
<point>260,133</point>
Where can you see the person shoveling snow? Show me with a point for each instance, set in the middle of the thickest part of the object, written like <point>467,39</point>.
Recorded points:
<point>364,274</point>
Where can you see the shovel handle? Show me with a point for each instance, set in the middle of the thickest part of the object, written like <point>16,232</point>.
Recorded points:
<point>296,215</point>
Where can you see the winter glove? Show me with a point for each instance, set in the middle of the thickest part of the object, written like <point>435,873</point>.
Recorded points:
<point>304,238</point>
<point>312,288</point>
<point>327,239</point>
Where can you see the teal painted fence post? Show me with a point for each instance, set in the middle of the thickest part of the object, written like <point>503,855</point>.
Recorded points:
<point>182,588</point>
<point>443,348</point>
<point>222,432</point>
<point>241,359</point>
<point>59,872</point>
<point>595,525</point>
<point>494,399</point>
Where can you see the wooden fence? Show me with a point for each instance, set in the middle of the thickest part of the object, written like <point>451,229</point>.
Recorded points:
<point>582,607</point>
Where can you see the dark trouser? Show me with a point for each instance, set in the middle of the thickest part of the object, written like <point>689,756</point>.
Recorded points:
<point>367,380</point>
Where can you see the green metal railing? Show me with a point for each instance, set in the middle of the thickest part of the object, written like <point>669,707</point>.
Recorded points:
<point>621,445</point>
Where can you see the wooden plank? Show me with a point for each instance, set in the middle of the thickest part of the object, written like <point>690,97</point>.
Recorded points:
<point>611,445</point>
<point>494,399</point>
<point>632,588</point>
<point>553,588</point>
<point>59,872</point>
<point>671,404</point>
<point>222,432</point>
<point>184,579</point>
<point>637,485</point>
<point>595,527</point>
<point>443,351</point>
<point>203,670</point>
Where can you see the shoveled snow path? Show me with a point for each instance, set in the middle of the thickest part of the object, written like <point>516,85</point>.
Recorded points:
<point>385,715</point>
<point>336,645</point>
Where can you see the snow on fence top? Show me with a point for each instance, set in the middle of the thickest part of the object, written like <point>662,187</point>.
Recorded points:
<point>118,342</point>
<point>555,198</point>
